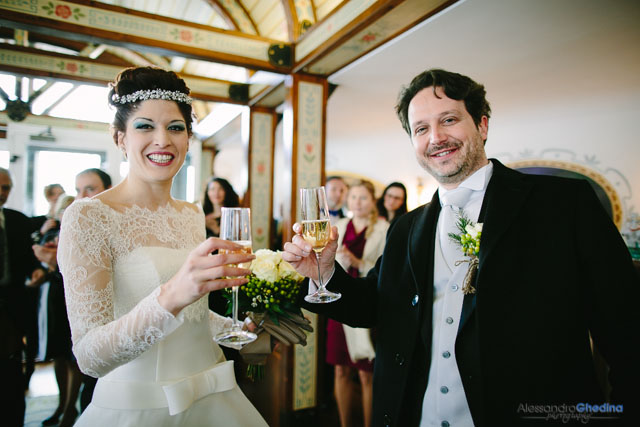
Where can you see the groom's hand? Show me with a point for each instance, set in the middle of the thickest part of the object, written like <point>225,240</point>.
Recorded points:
<point>300,255</point>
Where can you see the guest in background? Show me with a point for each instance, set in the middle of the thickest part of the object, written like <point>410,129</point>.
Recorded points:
<point>393,201</point>
<point>336,190</point>
<point>361,243</point>
<point>218,194</point>
<point>51,193</point>
<point>40,225</point>
<point>89,183</point>
<point>58,342</point>
<point>16,265</point>
<point>92,181</point>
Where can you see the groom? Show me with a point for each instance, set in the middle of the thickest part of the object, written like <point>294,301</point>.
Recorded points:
<point>553,273</point>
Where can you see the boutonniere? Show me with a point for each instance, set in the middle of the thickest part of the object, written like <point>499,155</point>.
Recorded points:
<point>469,241</point>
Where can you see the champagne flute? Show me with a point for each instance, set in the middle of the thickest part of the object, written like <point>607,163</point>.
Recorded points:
<point>235,225</point>
<point>315,230</point>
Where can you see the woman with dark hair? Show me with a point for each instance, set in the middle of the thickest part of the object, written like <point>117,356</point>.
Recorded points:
<point>137,271</point>
<point>218,194</point>
<point>393,201</point>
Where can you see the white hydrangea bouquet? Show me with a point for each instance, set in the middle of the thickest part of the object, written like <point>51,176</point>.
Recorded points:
<point>469,241</point>
<point>270,301</point>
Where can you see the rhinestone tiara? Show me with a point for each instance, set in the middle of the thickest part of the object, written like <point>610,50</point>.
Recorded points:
<point>143,95</point>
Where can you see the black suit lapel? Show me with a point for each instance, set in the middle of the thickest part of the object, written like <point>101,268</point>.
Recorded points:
<point>421,246</point>
<point>505,196</point>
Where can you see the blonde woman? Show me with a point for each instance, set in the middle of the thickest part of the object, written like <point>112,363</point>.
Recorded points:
<point>360,244</point>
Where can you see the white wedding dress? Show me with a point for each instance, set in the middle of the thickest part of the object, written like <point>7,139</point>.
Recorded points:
<point>154,369</point>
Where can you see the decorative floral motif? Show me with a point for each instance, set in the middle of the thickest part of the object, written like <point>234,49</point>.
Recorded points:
<point>469,241</point>
<point>186,35</point>
<point>308,154</point>
<point>72,67</point>
<point>63,11</point>
<point>369,37</point>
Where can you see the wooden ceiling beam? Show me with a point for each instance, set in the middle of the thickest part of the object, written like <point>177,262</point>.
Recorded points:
<point>345,20</point>
<point>291,16</point>
<point>215,4</point>
<point>95,22</point>
<point>38,63</point>
<point>354,29</point>
<point>77,46</point>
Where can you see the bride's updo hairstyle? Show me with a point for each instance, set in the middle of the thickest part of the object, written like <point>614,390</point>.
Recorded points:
<point>134,85</point>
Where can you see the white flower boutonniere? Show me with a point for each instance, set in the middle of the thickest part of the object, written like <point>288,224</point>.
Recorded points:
<point>469,241</point>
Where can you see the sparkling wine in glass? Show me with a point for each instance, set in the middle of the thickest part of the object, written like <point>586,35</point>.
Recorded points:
<point>235,225</point>
<point>315,230</point>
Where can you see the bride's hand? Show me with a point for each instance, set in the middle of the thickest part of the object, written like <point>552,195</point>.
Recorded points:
<point>202,273</point>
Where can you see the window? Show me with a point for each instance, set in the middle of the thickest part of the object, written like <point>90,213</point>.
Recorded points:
<point>4,159</point>
<point>45,168</point>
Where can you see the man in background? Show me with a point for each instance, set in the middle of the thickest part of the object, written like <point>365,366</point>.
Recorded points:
<point>92,181</point>
<point>336,190</point>
<point>17,262</point>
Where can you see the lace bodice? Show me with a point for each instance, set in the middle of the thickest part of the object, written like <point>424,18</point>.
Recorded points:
<point>113,263</point>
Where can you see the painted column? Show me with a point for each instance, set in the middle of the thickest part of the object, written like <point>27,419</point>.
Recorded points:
<point>304,140</point>
<point>262,124</point>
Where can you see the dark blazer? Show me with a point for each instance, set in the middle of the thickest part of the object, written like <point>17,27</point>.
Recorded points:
<point>22,262</point>
<point>553,270</point>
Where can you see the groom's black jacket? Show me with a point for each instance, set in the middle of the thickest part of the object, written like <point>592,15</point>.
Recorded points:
<point>553,270</point>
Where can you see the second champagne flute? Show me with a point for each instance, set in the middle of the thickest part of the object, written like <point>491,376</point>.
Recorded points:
<point>235,225</point>
<point>316,230</point>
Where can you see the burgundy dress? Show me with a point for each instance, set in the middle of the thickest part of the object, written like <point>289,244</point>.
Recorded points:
<point>337,352</point>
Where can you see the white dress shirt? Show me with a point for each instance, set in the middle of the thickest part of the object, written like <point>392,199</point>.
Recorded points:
<point>445,403</point>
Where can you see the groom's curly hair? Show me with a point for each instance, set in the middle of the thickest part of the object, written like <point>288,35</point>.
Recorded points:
<point>455,86</point>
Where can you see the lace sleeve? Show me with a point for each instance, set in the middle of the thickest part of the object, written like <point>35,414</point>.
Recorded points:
<point>100,342</point>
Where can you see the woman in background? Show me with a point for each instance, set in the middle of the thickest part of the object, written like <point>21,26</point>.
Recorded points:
<point>219,194</point>
<point>360,243</point>
<point>393,202</point>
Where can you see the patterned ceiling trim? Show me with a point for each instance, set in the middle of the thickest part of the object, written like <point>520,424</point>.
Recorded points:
<point>28,61</point>
<point>121,25</point>
<point>77,68</point>
<point>330,26</point>
<point>58,122</point>
<point>396,21</point>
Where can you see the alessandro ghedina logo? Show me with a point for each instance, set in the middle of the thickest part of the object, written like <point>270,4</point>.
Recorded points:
<point>583,412</point>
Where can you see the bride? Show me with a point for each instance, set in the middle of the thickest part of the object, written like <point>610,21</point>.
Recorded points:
<point>137,266</point>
